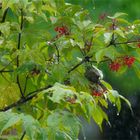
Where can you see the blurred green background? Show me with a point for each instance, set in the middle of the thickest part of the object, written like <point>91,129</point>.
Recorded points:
<point>127,83</point>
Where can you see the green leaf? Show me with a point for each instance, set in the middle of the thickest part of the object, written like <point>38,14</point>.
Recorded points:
<point>61,92</point>
<point>116,15</point>
<point>5,28</point>
<point>57,74</point>
<point>65,122</point>
<point>110,52</point>
<point>99,55</point>
<point>7,120</point>
<point>99,115</point>
<point>107,37</point>
<point>107,85</point>
<point>127,102</point>
<point>137,70</point>
<point>31,126</point>
<point>114,98</point>
<point>120,33</point>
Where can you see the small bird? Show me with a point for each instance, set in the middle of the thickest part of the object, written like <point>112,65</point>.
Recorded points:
<point>94,75</point>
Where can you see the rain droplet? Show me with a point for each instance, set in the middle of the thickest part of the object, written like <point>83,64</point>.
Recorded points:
<point>114,105</point>
<point>109,123</point>
<point>118,114</point>
<point>85,138</point>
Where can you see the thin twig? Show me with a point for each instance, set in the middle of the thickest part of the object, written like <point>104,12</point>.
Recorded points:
<point>58,54</point>
<point>5,78</point>
<point>18,47</point>
<point>80,63</point>
<point>22,137</point>
<point>127,42</point>
<point>4,15</point>
<point>0,5</point>
<point>5,71</point>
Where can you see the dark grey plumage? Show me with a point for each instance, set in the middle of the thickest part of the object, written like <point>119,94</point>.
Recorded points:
<point>92,74</point>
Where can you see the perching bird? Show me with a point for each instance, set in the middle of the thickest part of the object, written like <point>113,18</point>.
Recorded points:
<point>94,75</point>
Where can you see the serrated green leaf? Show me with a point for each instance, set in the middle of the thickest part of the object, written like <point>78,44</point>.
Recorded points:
<point>61,92</point>
<point>31,126</point>
<point>8,119</point>
<point>65,122</point>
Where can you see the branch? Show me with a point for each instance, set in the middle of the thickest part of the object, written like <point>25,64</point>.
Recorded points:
<point>0,5</point>
<point>18,47</point>
<point>30,96</point>
<point>4,15</point>
<point>22,137</point>
<point>5,78</point>
<point>86,59</point>
<point>5,71</point>
<point>127,42</point>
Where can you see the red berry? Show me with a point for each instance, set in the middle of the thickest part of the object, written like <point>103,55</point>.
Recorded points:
<point>62,30</point>
<point>129,60</point>
<point>96,93</point>
<point>138,45</point>
<point>102,16</point>
<point>114,66</point>
<point>56,28</point>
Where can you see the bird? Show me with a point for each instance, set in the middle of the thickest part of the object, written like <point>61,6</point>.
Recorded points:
<point>94,75</point>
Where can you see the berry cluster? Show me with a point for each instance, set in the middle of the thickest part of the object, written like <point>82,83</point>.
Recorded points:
<point>129,60</point>
<point>124,61</point>
<point>96,93</point>
<point>115,66</point>
<point>62,30</point>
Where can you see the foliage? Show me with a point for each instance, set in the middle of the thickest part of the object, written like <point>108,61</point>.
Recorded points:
<point>49,56</point>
